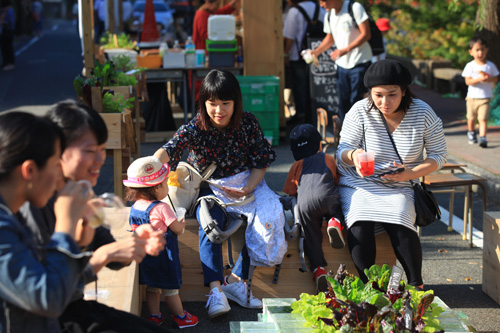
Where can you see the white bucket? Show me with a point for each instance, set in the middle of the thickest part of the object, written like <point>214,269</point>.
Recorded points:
<point>221,27</point>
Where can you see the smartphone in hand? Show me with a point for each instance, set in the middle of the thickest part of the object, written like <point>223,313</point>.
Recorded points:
<point>234,189</point>
<point>390,172</point>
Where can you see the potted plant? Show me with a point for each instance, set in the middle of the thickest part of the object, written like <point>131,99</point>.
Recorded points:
<point>114,45</point>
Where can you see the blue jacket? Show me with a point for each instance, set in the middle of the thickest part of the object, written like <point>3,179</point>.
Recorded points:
<point>36,284</point>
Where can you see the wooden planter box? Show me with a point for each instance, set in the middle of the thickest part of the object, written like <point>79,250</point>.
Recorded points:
<point>491,255</point>
<point>120,129</point>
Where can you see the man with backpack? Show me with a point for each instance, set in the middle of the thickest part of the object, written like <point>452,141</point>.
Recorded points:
<point>304,19</point>
<point>349,28</point>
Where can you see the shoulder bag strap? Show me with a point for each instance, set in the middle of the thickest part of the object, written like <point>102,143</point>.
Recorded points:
<point>392,140</point>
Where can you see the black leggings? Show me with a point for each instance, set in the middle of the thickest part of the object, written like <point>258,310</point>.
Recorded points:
<point>405,242</point>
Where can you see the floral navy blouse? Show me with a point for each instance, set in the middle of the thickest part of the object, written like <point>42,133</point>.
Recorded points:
<point>233,150</point>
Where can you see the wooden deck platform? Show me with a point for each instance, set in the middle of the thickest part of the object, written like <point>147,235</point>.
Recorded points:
<point>291,282</point>
<point>124,292</point>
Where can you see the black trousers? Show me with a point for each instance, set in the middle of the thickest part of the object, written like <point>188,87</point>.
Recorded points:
<point>405,242</point>
<point>311,214</point>
<point>90,317</point>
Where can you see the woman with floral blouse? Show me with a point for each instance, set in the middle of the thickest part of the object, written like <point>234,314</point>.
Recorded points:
<point>223,133</point>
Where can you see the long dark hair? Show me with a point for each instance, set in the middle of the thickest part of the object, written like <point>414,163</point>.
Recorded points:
<point>405,101</point>
<point>24,136</point>
<point>76,118</point>
<point>223,85</point>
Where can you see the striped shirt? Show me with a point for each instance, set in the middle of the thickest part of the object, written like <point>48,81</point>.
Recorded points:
<point>374,199</point>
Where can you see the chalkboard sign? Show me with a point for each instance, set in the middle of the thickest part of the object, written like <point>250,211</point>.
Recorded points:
<point>323,82</point>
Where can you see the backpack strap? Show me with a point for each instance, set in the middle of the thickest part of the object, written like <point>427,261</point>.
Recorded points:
<point>349,9</point>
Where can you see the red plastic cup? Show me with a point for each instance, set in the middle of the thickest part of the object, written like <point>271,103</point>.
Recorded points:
<point>366,163</point>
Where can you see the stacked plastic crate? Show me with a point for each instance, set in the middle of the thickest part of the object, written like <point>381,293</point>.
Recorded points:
<point>261,97</point>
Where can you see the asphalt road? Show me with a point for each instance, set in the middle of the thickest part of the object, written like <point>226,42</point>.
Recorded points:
<point>45,69</point>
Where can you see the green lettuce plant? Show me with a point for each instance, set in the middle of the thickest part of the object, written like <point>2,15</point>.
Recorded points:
<point>352,306</point>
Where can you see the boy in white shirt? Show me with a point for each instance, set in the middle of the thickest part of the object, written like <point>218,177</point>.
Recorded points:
<point>481,76</point>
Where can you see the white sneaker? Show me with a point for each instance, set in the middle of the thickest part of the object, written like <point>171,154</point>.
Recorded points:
<point>237,292</point>
<point>217,303</point>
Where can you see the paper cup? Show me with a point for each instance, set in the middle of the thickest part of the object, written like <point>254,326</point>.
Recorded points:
<point>180,213</point>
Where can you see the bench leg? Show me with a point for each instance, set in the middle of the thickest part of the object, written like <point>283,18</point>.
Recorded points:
<point>452,203</point>
<point>470,215</point>
<point>466,212</point>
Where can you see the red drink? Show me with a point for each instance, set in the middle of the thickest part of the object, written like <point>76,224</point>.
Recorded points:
<point>367,168</point>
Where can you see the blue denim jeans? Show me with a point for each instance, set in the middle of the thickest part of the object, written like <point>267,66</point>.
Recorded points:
<point>350,85</point>
<point>211,254</point>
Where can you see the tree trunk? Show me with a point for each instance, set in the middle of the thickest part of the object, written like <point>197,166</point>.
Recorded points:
<point>488,17</point>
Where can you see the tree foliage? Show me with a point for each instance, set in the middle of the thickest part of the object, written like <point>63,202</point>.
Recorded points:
<point>428,29</point>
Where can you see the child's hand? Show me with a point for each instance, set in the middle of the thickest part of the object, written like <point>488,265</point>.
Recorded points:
<point>484,76</point>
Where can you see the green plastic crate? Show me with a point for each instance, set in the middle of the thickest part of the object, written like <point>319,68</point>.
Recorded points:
<point>273,136</point>
<point>260,93</point>
<point>268,120</point>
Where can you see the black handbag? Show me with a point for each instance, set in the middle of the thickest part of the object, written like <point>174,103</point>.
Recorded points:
<point>426,205</point>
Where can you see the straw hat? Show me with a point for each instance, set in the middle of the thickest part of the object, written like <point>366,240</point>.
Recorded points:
<point>146,172</point>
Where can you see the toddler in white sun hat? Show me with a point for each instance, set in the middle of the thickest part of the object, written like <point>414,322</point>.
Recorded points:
<point>146,185</point>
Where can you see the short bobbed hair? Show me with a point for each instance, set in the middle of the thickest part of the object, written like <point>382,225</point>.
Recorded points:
<point>222,85</point>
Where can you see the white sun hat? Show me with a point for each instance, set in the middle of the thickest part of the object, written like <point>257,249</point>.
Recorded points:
<point>146,172</point>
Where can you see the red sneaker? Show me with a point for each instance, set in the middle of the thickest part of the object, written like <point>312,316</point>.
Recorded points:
<point>188,320</point>
<point>158,320</point>
<point>319,278</point>
<point>335,235</point>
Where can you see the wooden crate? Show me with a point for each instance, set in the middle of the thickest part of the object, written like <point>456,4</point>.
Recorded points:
<point>491,255</point>
<point>291,282</point>
<point>120,129</point>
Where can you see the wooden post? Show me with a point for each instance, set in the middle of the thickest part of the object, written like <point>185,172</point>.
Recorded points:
<point>87,11</point>
<point>263,42</point>
<point>111,16</point>
<point>120,15</point>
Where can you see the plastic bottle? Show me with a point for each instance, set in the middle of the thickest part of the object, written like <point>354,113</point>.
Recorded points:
<point>190,45</point>
<point>190,53</point>
<point>163,49</point>
<point>176,48</point>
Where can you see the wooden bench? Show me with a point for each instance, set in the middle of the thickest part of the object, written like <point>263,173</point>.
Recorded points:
<point>437,182</point>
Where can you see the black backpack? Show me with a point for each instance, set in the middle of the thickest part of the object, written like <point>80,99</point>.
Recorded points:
<point>314,27</point>
<point>376,41</point>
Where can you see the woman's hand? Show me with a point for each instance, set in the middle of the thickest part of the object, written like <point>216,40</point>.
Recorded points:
<point>123,251</point>
<point>402,176</point>
<point>69,206</point>
<point>354,159</point>
<point>84,233</point>
<point>237,192</point>
<point>155,240</point>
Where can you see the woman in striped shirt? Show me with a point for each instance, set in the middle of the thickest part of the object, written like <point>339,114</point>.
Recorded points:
<point>375,202</point>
